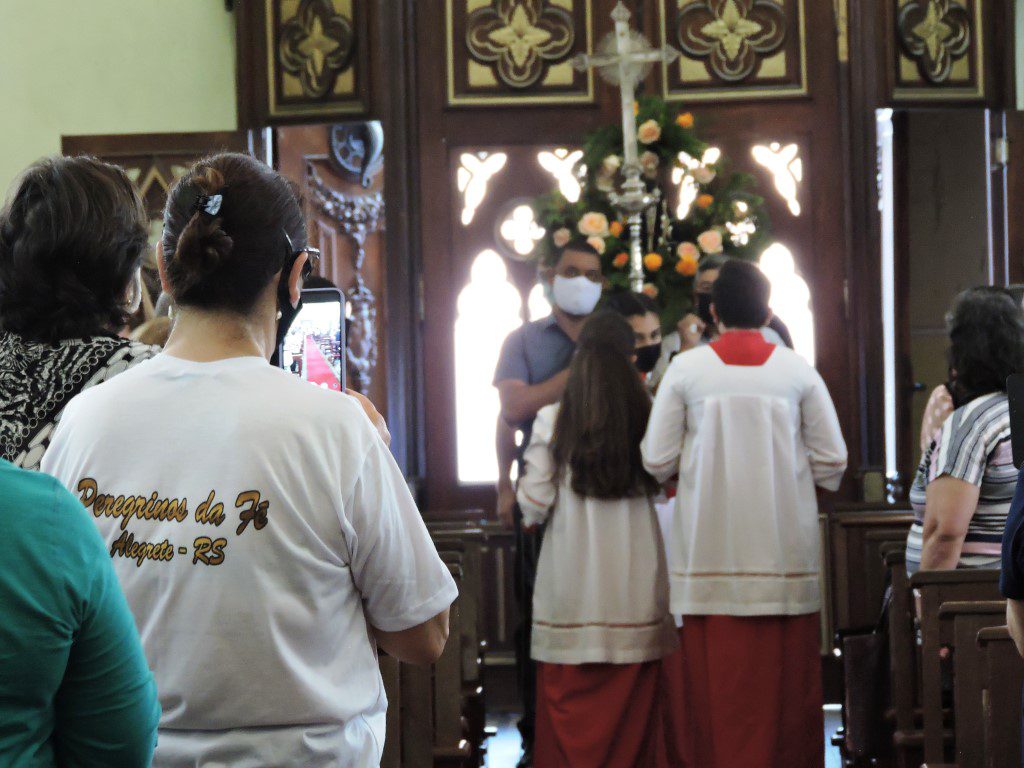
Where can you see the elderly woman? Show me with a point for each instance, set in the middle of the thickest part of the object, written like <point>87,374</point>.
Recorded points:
<point>72,237</point>
<point>966,480</point>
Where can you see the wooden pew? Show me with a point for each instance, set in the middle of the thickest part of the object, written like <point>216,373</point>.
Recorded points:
<point>450,749</point>
<point>858,536</point>
<point>935,588</point>
<point>903,672</point>
<point>1004,674</point>
<point>389,672</point>
<point>969,667</point>
<point>469,542</point>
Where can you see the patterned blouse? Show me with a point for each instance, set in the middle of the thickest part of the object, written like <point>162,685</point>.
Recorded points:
<point>37,380</point>
<point>974,446</point>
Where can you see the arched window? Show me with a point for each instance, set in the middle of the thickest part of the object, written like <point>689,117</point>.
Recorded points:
<point>489,309</point>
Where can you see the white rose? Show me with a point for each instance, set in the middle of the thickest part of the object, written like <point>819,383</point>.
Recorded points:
<point>611,164</point>
<point>711,241</point>
<point>648,132</point>
<point>593,223</point>
<point>597,243</point>
<point>703,175</point>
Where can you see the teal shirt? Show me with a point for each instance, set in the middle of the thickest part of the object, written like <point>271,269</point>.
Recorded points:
<point>75,689</point>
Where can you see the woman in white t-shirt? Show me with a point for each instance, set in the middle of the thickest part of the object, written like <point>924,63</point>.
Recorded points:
<point>600,607</point>
<point>263,534</point>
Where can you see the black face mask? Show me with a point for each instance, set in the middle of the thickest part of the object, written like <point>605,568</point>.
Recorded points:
<point>647,357</point>
<point>704,308</point>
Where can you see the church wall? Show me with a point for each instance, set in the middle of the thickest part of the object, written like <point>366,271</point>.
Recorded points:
<point>111,67</point>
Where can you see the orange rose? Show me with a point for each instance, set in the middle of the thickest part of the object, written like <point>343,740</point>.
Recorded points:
<point>615,228</point>
<point>685,120</point>
<point>653,262</point>
<point>620,260</point>
<point>687,265</point>
<point>705,201</point>
<point>650,289</point>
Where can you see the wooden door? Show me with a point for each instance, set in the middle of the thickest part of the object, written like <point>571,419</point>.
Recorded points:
<point>776,117</point>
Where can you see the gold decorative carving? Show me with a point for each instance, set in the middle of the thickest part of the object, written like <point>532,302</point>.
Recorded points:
<point>735,49</point>
<point>316,46</point>
<point>520,39</point>
<point>934,34</point>
<point>732,36</point>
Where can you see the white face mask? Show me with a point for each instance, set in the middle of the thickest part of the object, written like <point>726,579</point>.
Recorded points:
<point>576,295</point>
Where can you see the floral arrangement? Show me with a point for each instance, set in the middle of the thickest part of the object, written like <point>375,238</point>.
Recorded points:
<point>725,216</point>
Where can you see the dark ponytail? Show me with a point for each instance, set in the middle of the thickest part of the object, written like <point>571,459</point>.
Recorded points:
<point>227,227</point>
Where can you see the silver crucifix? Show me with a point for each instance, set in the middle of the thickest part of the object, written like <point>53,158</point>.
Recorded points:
<point>626,59</point>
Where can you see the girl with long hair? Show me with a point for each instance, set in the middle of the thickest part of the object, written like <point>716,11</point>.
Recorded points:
<point>600,612</point>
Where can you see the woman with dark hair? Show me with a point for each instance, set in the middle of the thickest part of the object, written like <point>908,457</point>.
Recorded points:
<point>72,237</point>
<point>966,481</point>
<point>263,533</point>
<point>600,606</point>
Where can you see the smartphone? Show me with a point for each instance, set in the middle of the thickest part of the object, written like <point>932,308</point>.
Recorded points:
<point>314,347</point>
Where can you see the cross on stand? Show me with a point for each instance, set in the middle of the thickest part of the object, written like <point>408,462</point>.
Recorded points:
<point>626,60</point>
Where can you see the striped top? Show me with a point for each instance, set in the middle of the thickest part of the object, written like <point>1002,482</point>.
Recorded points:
<point>973,446</point>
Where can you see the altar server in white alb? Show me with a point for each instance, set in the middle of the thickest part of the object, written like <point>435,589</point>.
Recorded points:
<point>600,607</point>
<point>750,429</point>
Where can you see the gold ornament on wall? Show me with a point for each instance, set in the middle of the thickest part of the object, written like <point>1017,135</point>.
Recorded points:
<point>937,50</point>
<point>316,45</point>
<point>732,35</point>
<point>317,59</point>
<point>935,34</point>
<point>735,49</point>
<point>520,38</point>
<point>517,51</point>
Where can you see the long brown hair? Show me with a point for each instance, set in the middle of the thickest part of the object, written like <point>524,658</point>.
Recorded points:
<point>604,414</point>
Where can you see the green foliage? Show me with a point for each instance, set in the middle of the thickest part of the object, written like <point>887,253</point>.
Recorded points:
<point>725,203</point>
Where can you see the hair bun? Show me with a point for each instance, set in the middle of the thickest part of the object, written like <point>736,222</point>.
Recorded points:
<point>203,245</point>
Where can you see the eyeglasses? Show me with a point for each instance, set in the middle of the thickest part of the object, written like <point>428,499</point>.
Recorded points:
<point>312,258</point>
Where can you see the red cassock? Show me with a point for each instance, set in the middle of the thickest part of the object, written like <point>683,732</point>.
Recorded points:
<point>744,691</point>
<point>597,715</point>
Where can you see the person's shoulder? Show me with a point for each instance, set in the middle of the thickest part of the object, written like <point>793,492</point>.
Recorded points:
<point>40,502</point>
<point>987,412</point>
<point>341,413</point>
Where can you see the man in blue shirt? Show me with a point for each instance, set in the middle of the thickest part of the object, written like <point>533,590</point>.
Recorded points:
<point>74,686</point>
<point>532,371</point>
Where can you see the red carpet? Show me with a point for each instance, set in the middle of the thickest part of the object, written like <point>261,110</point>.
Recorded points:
<point>318,370</point>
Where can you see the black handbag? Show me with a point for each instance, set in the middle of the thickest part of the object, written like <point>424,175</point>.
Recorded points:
<point>866,684</point>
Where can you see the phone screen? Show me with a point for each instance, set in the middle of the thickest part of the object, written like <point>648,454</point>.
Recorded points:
<point>314,347</point>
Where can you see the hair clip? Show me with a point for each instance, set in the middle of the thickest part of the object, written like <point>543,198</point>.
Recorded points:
<point>209,204</point>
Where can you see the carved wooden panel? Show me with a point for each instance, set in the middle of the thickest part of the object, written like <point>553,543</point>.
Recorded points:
<point>316,56</point>
<point>517,51</point>
<point>735,49</point>
<point>938,51</point>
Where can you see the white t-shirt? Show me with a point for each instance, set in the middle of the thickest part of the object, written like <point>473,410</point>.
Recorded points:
<point>258,525</point>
